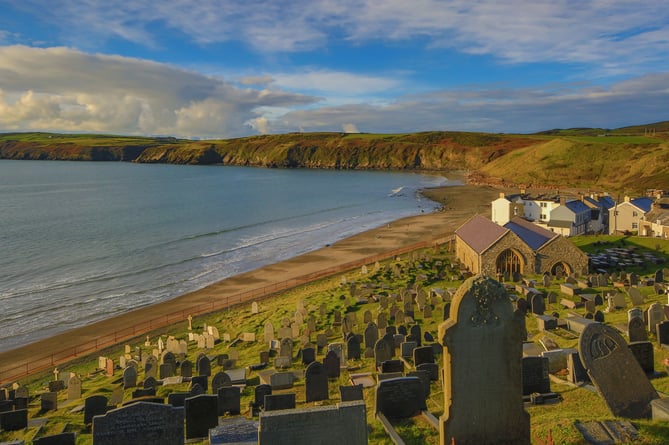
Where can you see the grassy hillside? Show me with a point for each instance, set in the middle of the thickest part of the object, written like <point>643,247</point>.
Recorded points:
<point>625,160</point>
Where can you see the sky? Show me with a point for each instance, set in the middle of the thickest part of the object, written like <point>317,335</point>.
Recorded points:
<point>225,69</point>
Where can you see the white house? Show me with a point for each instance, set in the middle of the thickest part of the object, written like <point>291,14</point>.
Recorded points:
<point>533,208</point>
<point>626,216</point>
<point>571,218</point>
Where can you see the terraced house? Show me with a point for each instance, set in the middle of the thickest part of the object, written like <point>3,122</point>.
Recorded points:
<point>626,216</point>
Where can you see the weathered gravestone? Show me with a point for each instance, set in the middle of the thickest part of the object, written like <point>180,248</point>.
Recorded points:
<point>203,366</point>
<point>260,392</point>
<point>56,439</point>
<point>186,368</point>
<point>201,414</point>
<point>274,402</point>
<point>308,355</point>
<point>644,354</point>
<point>615,372</point>
<point>655,316</point>
<point>49,401</point>
<point>350,393</point>
<point>636,329</point>
<point>94,406</point>
<point>662,333</point>
<point>74,388</point>
<point>229,400</point>
<point>316,382</point>
<point>140,423</point>
<point>483,389</point>
<point>332,365</point>
<point>14,420</point>
<point>150,367</point>
<point>353,348</point>
<point>383,351</point>
<point>129,377</point>
<point>220,380</point>
<point>400,397</point>
<point>344,423</point>
<point>635,296</point>
<point>535,375</point>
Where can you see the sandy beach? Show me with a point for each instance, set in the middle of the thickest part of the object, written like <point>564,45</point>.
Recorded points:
<point>459,203</point>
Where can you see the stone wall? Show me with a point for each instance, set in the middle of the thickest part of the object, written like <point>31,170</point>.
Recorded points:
<point>509,241</point>
<point>561,250</point>
<point>467,256</point>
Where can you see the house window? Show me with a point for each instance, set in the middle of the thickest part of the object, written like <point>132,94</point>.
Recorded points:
<point>543,216</point>
<point>635,225</point>
<point>635,214</point>
<point>543,204</point>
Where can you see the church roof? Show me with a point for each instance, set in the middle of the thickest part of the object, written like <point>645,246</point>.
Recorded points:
<point>480,233</point>
<point>533,235</point>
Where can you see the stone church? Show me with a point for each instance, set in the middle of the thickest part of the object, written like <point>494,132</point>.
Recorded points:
<point>516,247</point>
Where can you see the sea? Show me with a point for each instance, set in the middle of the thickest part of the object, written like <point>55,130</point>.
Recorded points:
<point>83,241</point>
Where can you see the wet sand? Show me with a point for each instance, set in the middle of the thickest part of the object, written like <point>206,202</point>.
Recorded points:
<point>459,203</point>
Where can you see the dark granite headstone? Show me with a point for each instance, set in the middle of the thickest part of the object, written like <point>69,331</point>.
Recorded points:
<point>146,392</point>
<point>201,380</point>
<point>316,382</point>
<point>577,373</point>
<point>538,303</point>
<point>229,400</point>
<point>177,399</point>
<point>274,402</point>
<point>203,366</point>
<point>140,423</point>
<point>424,377</point>
<point>351,393</point>
<point>94,406</point>
<point>416,332</point>
<point>259,394</point>
<point>219,380</point>
<point>353,348</point>
<point>644,354</point>
<point>423,354</point>
<point>392,366</point>
<point>56,439</point>
<point>14,420</point>
<point>129,377</point>
<point>431,368</point>
<point>150,382</point>
<point>234,431</point>
<point>662,333</point>
<point>400,397</point>
<point>56,385</point>
<point>201,414</point>
<point>49,401</point>
<point>308,355</point>
<point>332,365</point>
<point>615,372</point>
<point>535,375</point>
<point>636,329</point>
<point>383,350</point>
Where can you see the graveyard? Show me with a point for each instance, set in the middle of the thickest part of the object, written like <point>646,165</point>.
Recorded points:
<point>360,357</point>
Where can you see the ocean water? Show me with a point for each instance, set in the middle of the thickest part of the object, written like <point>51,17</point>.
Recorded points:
<point>82,241</point>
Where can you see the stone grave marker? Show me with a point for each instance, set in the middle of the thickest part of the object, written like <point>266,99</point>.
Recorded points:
<point>644,354</point>
<point>201,414</point>
<point>109,372</point>
<point>186,368</point>
<point>344,423</point>
<point>316,382</point>
<point>332,365</point>
<point>49,401</point>
<point>635,296</point>
<point>74,388</point>
<point>371,335</point>
<point>406,349</point>
<point>203,366</point>
<point>94,406</point>
<point>635,312</point>
<point>116,396</point>
<point>228,400</point>
<point>636,329</point>
<point>392,366</point>
<point>382,351</point>
<point>382,321</point>
<point>483,317</point>
<point>353,348</point>
<point>400,397</point>
<point>140,422</point>
<point>14,420</point>
<point>201,381</point>
<point>275,402</point>
<point>254,308</point>
<point>655,316</point>
<point>619,300</point>
<point>150,367</point>
<point>350,393</point>
<point>308,355</point>
<point>615,372</point>
<point>423,354</point>
<point>282,380</point>
<point>321,340</point>
<point>662,333</point>
<point>56,439</point>
<point>235,430</point>
<point>220,380</point>
<point>535,375</point>
<point>538,303</point>
<point>260,392</point>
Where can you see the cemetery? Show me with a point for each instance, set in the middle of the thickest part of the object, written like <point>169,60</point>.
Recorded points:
<point>412,350</point>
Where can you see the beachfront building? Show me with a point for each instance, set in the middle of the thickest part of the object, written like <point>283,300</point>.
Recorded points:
<point>599,212</point>
<point>627,215</point>
<point>656,222</point>
<point>517,247</point>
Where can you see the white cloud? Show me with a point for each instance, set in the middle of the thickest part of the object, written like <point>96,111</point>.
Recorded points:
<point>62,89</point>
<point>335,83</point>
<point>350,128</point>
<point>612,34</point>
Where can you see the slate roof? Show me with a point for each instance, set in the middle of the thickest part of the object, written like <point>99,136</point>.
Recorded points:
<point>480,233</point>
<point>602,201</point>
<point>644,204</point>
<point>577,206</point>
<point>533,235</point>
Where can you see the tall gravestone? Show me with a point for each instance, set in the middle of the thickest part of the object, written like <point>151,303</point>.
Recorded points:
<point>615,372</point>
<point>140,423</point>
<point>483,388</point>
<point>316,382</point>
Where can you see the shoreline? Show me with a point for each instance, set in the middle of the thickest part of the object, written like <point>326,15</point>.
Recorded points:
<point>457,204</point>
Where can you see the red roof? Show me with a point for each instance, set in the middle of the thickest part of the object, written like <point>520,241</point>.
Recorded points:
<point>480,233</point>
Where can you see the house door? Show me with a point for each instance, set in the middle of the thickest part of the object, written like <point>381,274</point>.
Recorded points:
<point>509,262</point>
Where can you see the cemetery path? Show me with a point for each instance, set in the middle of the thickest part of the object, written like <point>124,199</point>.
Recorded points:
<point>459,203</point>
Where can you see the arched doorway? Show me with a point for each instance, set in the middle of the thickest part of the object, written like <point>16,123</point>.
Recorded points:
<point>560,269</point>
<point>509,262</point>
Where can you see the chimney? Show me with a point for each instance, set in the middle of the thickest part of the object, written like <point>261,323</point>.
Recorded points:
<point>501,194</point>
<point>627,198</point>
<point>522,191</point>
<point>563,200</point>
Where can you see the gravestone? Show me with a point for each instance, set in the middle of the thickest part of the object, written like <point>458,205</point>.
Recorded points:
<point>282,380</point>
<point>49,401</point>
<point>635,296</point>
<point>150,367</point>
<point>538,304</point>
<point>644,354</point>
<point>140,423</point>
<point>382,320</point>
<point>636,329</point>
<point>165,370</point>
<point>416,334</point>
<point>535,375</point>
<point>203,366</point>
<point>286,348</point>
<point>116,396</point>
<point>483,319</point>
<point>260,392</point>
<point>332,365</point>
<point>200,380</point>
<point>308,355</point>
<point>316,382</point>
<point>228,400</point>
<point>350,393</point>
<point>635,312</point>
<point>577,373</point>
<point>344,423</point>
<point>655,316</point>
<point>74,388</point>
<point>220,380</point>
<point>371,335</point>
<point>615,372</point>
<point>353,348</point>
<point>274,402</point>
<point>382,351</point>
<point>235,430</point>
<point>129,377</point>
<point>150,382</point>
<point>406,349</point>
<point>431,368</point>
<point>171,360</point>
<point>400,397</point>
<point>662,333</point>
<point>94,406</point>
<point>56,439</point>
<point>423,354</point>
<point>14,420</point>
<point>254,308</point>
<point>186,368</point>
<point>201,414</point>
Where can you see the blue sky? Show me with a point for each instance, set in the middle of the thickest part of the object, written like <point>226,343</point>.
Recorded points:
<point>220,69</point>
